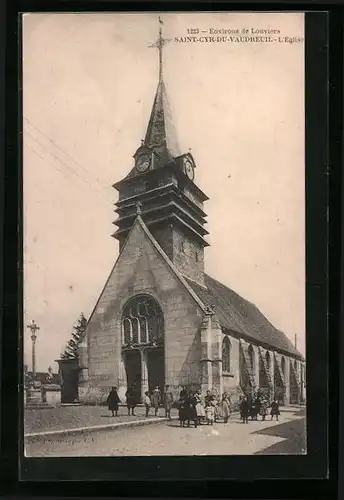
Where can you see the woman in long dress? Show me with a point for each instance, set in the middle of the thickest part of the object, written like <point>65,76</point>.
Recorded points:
<point>275,411</point>
<point>191,410</point>
<point>113,401</point>
<point>199,407</point>
<point>225,407</point>
<point>130,398</point>
<point>263,408</point>
<point>168,401</point>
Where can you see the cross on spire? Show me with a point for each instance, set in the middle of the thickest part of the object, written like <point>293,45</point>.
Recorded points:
<point>159,44</point>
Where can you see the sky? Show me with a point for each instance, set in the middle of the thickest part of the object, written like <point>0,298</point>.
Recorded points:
<point>88,86</point>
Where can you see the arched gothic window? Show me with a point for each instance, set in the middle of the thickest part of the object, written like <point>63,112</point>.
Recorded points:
<point>142,321</point>
<point>226,355</point>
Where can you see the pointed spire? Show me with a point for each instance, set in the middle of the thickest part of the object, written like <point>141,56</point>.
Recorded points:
<point>160,134</point>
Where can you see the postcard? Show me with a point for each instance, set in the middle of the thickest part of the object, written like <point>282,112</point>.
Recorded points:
<point>164,234</point>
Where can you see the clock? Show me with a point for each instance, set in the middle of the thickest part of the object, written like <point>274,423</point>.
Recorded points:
<point>143,163</point>
<point>189,168</point>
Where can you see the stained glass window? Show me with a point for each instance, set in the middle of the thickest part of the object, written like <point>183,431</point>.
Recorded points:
<point>226,355</point>
<point>142,321</point>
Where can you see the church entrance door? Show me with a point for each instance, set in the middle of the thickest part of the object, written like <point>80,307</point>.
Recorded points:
<point>156,368</point>
<point>133,371</point>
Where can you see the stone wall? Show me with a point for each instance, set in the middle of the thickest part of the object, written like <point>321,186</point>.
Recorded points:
<point>231,380</point>
<point>188,256</point>
<point>140,268</point>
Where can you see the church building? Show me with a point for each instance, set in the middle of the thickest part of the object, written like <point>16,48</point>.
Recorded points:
<point>161,319</point>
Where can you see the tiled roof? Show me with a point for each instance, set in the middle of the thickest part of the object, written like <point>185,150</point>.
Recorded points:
<point>238,315</point>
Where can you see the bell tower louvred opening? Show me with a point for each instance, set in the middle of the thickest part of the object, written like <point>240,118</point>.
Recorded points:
<point>162,182</point>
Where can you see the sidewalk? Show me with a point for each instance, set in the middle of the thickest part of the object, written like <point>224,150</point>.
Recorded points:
<point>64,419</point>
<point>77,419</point>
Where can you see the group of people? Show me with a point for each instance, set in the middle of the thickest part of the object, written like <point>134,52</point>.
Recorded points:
<point>258,404</point>
<point>154,399</point>
<point>196,409</point>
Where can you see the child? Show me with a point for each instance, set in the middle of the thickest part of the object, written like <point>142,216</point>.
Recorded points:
<point>209,414</point>
<point>147,402</point>
<point>263,409</point>
<point>274,409</point>
<point>215,404</point>
<point>156,399</point>
<point>245,410</point>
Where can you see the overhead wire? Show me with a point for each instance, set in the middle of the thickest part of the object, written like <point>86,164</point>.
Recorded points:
<point>84,169</point>
<point>68,167</point>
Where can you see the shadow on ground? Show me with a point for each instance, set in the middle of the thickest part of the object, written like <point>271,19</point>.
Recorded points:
<point>294,438</point>
<point>300,413</point>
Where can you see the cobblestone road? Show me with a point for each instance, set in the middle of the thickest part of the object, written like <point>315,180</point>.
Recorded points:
<point>167,438</point>
<point>68,417</point>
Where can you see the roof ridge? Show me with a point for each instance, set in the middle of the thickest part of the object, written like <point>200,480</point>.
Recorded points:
<point>246,301</point>
<point>252,325</point>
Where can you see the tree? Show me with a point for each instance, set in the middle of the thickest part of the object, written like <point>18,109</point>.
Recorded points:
<point>78,333</point>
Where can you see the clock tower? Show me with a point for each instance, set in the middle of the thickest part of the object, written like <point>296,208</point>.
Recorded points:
<point>161,187</point>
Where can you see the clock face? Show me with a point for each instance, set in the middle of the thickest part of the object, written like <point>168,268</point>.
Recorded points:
<point>189,168</point>
<point>143,163</point>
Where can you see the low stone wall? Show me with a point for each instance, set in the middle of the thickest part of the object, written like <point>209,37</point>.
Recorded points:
<point>51,394</point>
<point>94,395</point>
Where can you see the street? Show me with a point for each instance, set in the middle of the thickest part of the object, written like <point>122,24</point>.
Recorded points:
<point>166,438</point>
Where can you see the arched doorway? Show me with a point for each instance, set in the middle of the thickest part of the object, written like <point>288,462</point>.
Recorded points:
<point>143,344</point>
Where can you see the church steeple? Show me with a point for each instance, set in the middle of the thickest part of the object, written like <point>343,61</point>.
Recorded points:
<point>161,136</point>
<point>162,181</point>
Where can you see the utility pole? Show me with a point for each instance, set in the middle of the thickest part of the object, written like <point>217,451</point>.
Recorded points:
<point>33,328</point>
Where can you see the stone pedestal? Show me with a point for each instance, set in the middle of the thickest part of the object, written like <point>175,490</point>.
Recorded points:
<point>34,396</point>
<point>34,399</point>
<point>51,394</point>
